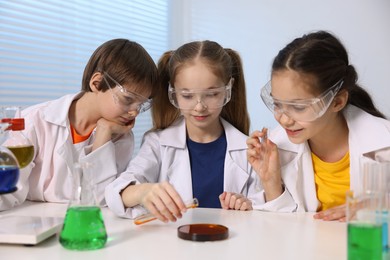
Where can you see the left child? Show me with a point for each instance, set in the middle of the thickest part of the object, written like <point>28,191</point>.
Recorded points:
<point>93,125</point>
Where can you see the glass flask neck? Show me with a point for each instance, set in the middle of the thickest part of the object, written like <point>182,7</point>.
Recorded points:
<point>84,188</point>
<point>15,124</point>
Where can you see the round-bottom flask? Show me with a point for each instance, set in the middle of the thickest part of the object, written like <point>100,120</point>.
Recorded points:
<point>20,145</point>
<point>9,171</point>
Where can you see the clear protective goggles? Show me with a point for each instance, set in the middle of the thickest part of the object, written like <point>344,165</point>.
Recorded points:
<point>127,100</point>
<point>303,110</point>
<point>211,98</point>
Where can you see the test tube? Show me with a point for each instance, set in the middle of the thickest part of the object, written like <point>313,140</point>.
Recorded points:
<point>264,139</point>
<point>193,203</point>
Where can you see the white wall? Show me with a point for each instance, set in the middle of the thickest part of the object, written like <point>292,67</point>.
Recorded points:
<point>258,29</point>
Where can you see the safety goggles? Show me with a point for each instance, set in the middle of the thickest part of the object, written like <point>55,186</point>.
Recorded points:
<point>211,98</point>
<point>303,110</point>
<point>127,100</point>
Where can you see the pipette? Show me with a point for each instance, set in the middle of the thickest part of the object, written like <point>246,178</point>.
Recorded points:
<point>193,203</point>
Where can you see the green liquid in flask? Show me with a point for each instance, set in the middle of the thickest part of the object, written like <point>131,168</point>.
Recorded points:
<point>83,229</point>
<point>364,242</point>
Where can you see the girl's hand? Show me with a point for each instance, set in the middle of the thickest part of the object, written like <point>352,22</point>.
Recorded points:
<point>162,200</point>
<point>264,158</point>
<point>230,200</point>
<point>336,213</point>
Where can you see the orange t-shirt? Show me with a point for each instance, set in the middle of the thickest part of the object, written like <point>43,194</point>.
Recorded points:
<point>332,181</point>
<point>79,138</point>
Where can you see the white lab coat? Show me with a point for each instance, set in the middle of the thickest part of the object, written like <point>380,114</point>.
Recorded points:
<point>48,177</point>
<point>369,138</point>
<point>164,157</point>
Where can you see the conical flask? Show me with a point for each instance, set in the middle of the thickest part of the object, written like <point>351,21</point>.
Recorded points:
<point>83,227</point>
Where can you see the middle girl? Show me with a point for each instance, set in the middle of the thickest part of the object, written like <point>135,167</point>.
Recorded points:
<point>197,147</point>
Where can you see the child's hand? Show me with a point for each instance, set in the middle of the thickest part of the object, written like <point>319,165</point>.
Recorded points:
<point>335,213</point>
<point>230,200</point>
<point>163,201</point>
<point>264,158</point>
<point>106,130</point>
<point>114,128</point>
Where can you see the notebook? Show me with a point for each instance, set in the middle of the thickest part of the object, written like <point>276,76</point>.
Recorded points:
<point>28,230</point>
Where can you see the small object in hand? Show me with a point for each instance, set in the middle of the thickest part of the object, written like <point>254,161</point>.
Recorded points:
<point>203,232</point>
<point>263,140</point>
<point>193,203</point>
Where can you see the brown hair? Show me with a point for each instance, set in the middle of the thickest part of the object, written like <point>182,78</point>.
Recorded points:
<point>125,61</point>
<point>323,56</point>
<point>225,63</point>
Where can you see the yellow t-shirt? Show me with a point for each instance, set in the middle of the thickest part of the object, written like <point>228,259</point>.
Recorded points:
<point>332,181</point>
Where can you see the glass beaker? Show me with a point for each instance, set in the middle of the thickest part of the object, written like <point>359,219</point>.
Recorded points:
<point>365,226</point>
<point>376,182</point>
<point>83,227</point>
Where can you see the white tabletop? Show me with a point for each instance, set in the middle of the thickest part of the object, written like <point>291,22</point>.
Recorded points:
<point>252,235</point>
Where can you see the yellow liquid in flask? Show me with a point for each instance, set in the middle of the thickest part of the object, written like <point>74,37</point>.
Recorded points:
<point>24,154</point>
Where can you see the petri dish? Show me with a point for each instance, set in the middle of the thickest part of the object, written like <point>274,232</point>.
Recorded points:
<point>203,232</point>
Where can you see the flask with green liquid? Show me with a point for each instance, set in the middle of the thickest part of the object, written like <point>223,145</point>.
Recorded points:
<point>83,227</point>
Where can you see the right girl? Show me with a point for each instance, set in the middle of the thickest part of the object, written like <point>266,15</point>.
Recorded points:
<point>327,123</point>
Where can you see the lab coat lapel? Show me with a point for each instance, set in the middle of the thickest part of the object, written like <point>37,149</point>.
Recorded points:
<point>179,175</point>
<point>236,173</point>
<point>235,178</point>
<point>177,158</point>
<point>300,183</point>
<point>307,179</point>
<point>175,135</point>
<point>56,113</point>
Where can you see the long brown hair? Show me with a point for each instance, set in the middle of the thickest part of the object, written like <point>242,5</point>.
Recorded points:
<point>225,63</point>
<point>323,56</point>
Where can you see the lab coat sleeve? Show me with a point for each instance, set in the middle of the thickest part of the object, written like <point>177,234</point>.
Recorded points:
<point>284,203</point>
<point>144,168</point>
<point>108,161</point>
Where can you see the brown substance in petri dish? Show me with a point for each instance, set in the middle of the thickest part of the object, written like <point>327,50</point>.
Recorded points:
<point>203,232</point>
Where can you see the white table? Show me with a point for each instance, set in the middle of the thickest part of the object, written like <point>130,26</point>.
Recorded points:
<point>253,235</point>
